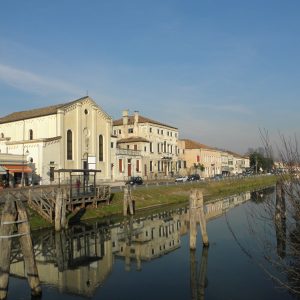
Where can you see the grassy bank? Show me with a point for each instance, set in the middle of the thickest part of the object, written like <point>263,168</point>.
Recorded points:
<point>156,196</point>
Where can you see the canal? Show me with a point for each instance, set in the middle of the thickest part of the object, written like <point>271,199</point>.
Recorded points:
<point>148,256</point>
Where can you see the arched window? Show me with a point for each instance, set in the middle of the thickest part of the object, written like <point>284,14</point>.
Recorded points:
<point>69,145</point>
<point>30,134</point>
<point>100,147</point>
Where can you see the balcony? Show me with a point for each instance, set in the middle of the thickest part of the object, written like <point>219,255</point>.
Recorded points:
<point>128,152</point>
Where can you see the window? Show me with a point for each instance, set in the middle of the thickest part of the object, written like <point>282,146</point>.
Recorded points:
<point>168,133</point>
<point>111,145</point>
<point>161,132</point>
<point>158,148</point>
<point>100,147</point>
<point>184,164</point>
<point>69,145</point>
<point>120,165</point>
<point>120,131</point>
<point>151,166</point>
<point>138,166</point>
<point>2,135</point>
<point>150,129</point>
<point>127,146</point>
<point>151,150</point>
<point>30,134</point>
<point>198,158</point>
<point>158,166</point>
<point>130,130</point>
<point>157,131</point>
<point>115,132</point>
<point>165,146</point>
<point>135,147</point>
<point>145,148</point>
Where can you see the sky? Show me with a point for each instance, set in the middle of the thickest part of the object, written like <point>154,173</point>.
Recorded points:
<point>220,71</point>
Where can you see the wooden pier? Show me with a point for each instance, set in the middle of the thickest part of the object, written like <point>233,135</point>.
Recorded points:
<point>43,199</point>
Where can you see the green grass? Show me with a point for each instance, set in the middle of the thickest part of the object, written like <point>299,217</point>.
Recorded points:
<point>156,196</point>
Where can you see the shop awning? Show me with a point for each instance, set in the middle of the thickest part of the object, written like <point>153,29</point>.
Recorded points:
<point>17,169</point>
<point>2,170</point>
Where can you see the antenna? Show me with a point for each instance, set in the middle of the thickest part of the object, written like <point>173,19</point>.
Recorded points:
<point>87,92</point>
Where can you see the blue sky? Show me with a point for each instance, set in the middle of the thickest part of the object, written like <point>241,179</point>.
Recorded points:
<point>218,70</point>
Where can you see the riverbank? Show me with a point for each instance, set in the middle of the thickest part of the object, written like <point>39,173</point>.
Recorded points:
<point>156,196</point>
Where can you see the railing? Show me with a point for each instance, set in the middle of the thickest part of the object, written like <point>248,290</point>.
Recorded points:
<point>128,152</point>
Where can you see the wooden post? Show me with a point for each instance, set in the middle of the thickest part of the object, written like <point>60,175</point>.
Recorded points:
<point>9,216</point>
<point>193,222</point>
<point>58,209</point>
<point>202,220</point>
<point>64,223</point>
<point>127,201</point>
<point>27,249</point>
<point>197,215</point>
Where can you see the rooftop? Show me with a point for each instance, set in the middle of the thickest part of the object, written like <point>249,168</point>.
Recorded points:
<point>141,119</point>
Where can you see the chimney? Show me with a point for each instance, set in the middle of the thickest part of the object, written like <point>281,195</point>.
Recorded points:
<point>136,117</point>
<point>125,117</point>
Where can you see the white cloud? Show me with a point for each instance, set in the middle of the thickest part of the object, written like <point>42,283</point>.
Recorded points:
<point>28,81</point>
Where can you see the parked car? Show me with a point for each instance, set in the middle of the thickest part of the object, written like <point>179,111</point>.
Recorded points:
<point>135,180</point>
<point>181,179</point>
<point>194,177</point>
<point>218,177</point>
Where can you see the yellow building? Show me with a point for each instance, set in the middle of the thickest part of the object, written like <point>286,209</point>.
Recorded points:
<point>154,143</point>
<point>199,158</point>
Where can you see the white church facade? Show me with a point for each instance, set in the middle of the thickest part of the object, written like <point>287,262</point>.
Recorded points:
<point>73,135</point>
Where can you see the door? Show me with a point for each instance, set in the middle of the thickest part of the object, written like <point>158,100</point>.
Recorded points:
<point>129,167</point>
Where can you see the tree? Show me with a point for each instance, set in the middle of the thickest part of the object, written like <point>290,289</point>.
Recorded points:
<point>258,161</point>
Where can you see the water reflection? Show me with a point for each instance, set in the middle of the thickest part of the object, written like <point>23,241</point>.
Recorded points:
<point>80,259</point>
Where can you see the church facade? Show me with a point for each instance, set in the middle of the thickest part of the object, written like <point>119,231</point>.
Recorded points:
<point>73,135</point>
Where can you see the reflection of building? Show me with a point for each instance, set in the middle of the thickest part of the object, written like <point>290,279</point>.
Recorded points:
<point>81,258</point>
<point>76,262</point>
<point>74,135</point>
<point>152,238</point>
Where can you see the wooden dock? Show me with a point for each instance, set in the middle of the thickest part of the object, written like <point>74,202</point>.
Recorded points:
<point>42,199</point>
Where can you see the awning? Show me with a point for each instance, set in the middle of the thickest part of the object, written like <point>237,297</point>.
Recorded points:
<point>2,170</point>
<point>17,169</point>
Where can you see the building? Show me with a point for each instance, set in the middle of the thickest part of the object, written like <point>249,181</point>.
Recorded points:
<point>73,135</point>
<point>199,158</point>
<point>145,147</point>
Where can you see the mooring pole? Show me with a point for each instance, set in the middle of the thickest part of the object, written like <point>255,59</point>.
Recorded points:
<point>27,249</point>
<point>9,215</point>
<point>127,201</point>
<point>197,215</point>
<point>58,209</point>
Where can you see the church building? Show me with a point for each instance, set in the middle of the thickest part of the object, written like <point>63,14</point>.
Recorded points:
<point>73,135</point>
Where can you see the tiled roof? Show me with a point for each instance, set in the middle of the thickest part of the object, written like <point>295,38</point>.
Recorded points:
<point>141,119</point>
<point>34,113</point>
<point>189,144</point>
<point>133,139</point>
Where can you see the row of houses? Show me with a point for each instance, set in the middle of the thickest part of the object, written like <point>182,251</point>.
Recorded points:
<point>80,135</point>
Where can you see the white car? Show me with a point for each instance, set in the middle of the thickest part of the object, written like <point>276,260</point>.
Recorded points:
<point>181,179</point>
